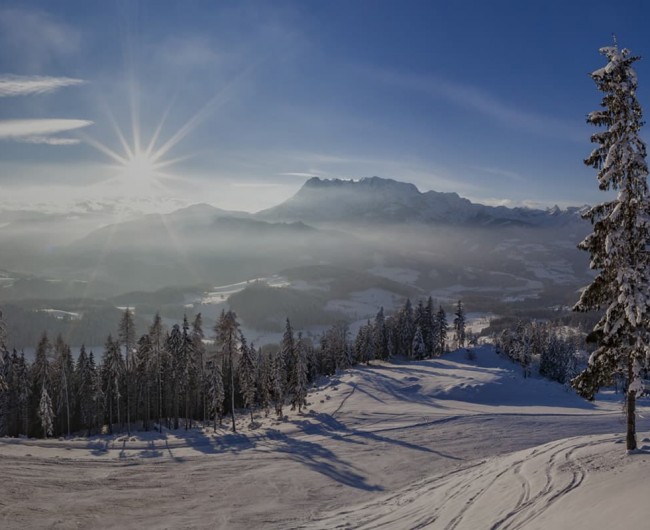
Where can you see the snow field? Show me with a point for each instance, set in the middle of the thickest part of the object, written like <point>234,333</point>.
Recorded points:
<point>443,443</point>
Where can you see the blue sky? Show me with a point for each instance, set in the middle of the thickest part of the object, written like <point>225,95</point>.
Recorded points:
<point>487,99</point>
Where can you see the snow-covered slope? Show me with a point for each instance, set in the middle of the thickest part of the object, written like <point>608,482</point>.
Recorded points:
<point>445,443</point>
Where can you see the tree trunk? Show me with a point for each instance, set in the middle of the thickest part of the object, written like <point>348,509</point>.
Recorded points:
<point>232,393</point>
<point>631,420</point>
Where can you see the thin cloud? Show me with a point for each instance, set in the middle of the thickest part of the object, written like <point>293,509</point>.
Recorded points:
<point>301,175</point>
<point>48,140</point>
<point>22,130</point>
<point>16,85</point>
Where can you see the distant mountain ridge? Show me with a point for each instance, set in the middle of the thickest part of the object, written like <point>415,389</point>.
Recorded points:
<point>383,200</point>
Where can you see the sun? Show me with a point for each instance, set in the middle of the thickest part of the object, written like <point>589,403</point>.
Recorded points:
<point>140,168</point>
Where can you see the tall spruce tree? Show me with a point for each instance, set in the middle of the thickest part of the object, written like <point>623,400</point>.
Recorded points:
<point>459,325</point>
<point>126,337</point>
<point>618,244</point>
<point>227,330</point>
<point>298,389</point>
<point>46,413</point>
<point>441,327</point>
<point>247,374</point>
<point>215,391</point>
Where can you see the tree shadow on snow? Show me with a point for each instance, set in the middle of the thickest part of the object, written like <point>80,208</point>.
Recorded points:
<point>321,460</point>
<point>219,443</point>
<point>327,425</point>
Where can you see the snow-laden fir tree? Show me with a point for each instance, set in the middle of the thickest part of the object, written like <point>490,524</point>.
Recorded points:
<point>263,381</point>
<point>298,379</point>
<point>418,347</point>
<point>198,351</point>
<point>63,369</point>
<point>3,348</point>
<point>277,383</point>
<point>441,329</point>
<point>288,351</point>
<point>46,413</point>
<point>247,374</point>
<point>112,371</point>
<point>126,338</point>
<point>159,357</point>
<point>215,391</point>
<point>405,329</point>
<point>459,325</point>
<point>380,336</point>
<point>85,390</point>
<point>618,244</point>
<point>227,337</point>
<point>363,347</point>
<point>144,369</point>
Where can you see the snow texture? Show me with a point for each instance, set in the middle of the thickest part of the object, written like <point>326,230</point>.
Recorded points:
<point>444,443</point>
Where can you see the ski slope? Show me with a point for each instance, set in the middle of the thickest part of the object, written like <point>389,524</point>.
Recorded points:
<point>446,443</point>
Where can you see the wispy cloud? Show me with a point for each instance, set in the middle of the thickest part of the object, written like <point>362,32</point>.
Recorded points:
<point>40,131</point>
<point>301,175</point>
<point>17,85</point>
<point>49,140</point>
<point>470,97</point>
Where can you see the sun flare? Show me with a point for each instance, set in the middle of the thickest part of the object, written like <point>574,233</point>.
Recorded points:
<point>140,168</point>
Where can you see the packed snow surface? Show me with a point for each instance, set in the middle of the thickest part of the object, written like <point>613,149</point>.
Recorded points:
<point>447,443</point>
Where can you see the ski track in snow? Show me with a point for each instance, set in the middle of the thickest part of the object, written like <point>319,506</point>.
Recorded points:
<point>458,500</point>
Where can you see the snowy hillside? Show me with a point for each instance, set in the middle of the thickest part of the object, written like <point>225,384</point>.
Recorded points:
<point>443,443</point>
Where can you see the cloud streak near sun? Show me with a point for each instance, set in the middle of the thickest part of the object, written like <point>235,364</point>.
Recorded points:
<point>16,85</point>
<point>39,131</point>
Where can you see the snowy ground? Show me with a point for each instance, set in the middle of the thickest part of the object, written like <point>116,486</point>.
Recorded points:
<point>447,443</point>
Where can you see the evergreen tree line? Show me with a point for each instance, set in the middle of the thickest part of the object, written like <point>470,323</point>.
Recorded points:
<point>171,378</point>
<point>541,344</point>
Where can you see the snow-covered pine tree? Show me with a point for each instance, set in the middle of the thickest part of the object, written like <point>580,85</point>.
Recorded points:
<point>188,372</point>
<point>99,400</point>
<point>380,336</point>
<point>85,389</point>
<point>459,325</point>
<point>363,344</point>
<point>3,348</point>
<point>418,349</point>
<point>247,374</point>
<point>126,338</point>
<point>288,351</point>
<point>45,413</point>
<point>158,352</point>
<point>618,244</point>
<point>227,335</point>
<point>263,381</point>
<point>277,383</point>
<point>298,389</point>
<point>24,392</point>
<point>144,378</point>
<point>441,328</point>
<point>174,346</point>
<point>41,376</point>
<point>5,376</point>
<point>63,369</point>
<point>215,391</point>
<point>405,329</point>
<point>112,369</point>
<point>198,352</point>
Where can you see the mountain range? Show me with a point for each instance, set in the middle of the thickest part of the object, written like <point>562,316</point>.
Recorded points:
<point>446,241</point>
